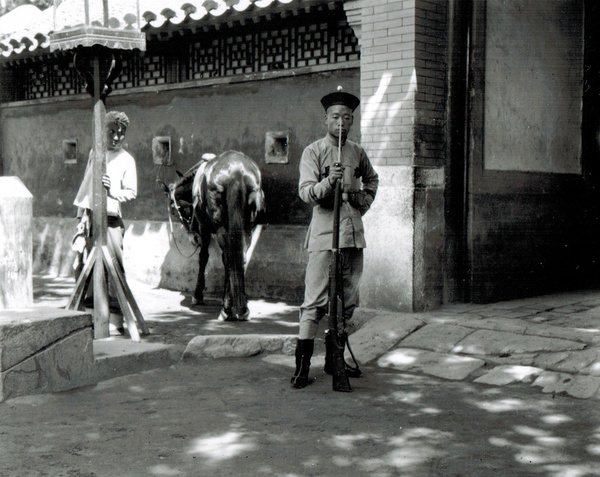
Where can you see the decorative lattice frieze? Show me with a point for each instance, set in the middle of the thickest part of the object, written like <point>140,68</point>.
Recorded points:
<point>305,41</point>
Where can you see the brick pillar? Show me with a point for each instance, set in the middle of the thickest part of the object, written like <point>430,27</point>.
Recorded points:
<point>402,90</point>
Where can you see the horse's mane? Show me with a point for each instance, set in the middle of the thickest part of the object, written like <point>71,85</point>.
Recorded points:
<point>188,175</point>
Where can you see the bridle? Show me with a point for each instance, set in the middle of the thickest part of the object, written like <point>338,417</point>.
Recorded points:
<point>172,200</point>
<point>173,204</point>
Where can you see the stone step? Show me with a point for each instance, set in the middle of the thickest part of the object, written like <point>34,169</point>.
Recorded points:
<point>46,350</point>
<point>119,356</point>
<point>238,346</point>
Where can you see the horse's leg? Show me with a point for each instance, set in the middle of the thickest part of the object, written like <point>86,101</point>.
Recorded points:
<point>198,298</point>
<point>226,313</point>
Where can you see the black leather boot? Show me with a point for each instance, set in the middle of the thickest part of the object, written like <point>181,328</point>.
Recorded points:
<point>304,351</point>
<point>351,371</point>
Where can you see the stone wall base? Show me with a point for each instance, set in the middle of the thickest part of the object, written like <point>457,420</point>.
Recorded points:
<point>159,257</point>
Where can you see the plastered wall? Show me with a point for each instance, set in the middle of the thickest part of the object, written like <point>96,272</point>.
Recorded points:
<point>534,87</point>
<point>211,119</point>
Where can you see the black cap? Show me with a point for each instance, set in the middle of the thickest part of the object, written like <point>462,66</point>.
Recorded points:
<point>340,97</point>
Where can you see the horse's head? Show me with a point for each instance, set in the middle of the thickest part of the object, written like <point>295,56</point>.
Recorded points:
<point>181,200</point>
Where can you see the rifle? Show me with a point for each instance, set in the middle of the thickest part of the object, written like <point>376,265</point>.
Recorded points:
<point>336,321</point>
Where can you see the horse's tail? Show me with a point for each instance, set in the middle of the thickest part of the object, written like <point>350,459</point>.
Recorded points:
<point>237,208</point>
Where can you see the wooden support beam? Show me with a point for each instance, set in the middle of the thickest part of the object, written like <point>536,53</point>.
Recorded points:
<point>82,283</point>
<point>99,221</point>
<point>131,313</point>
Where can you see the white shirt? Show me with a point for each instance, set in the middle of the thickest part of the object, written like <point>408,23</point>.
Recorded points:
<point>120,167</point>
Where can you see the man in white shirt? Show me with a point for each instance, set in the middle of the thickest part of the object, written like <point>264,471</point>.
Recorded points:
<point>120,182</point>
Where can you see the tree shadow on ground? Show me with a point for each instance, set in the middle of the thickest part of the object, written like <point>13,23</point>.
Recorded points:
<point>233,416</point>
<point>241,416</point>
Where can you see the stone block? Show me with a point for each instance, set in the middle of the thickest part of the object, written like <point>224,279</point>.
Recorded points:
<point>582,387</point>
<point>441,365</point>
<point>26,331</point>
<point>552,382</point>
<point>380,334</point>
<point>578,361</point>
<point>437,337</point>
<point>501,375</point>
<point>44,350</point>
<point>485,342</point>
<point>550,360</point>
<point>15,244</point>
<point>66,364</point>
<point>119,356</point>
<point>236,346</point>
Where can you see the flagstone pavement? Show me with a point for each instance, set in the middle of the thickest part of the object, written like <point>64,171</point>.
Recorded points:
<point>551,342</point>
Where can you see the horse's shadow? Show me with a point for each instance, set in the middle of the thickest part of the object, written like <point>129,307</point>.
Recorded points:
<point>180,268</point>
<point>209,305</point>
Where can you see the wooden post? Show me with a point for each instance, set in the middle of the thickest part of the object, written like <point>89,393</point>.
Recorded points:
<point>95,42</point>
<point>101,268</point>
<point>99,222</point>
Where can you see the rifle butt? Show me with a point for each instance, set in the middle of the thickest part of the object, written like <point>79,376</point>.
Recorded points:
<point>340,381</point>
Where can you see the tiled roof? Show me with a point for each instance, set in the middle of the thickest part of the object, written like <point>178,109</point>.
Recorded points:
<point>26,29</point>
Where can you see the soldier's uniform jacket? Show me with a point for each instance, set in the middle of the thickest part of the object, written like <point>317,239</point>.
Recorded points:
<point>315,189</point>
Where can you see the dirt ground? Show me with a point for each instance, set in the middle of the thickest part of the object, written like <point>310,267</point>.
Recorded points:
<point>171,317</point>
<point>233,417</point>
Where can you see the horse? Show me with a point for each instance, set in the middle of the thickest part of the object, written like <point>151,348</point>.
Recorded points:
<point>220,197</point>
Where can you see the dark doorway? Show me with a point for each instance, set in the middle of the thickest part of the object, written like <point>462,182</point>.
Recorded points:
<point>457,282</point>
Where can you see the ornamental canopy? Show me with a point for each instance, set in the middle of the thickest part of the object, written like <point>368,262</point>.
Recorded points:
<point>27,31</point>
<point>113,24</point>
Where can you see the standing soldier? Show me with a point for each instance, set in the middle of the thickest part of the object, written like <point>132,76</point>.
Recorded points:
<point>320,168</point>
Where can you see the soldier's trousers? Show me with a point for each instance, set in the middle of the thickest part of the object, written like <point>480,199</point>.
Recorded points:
<point>316,290</point>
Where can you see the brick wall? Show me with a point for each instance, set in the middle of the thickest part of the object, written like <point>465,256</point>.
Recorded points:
<point>403,77</point>
<point>387,80</point>
<point>430,65</point>
<point>403,71</point>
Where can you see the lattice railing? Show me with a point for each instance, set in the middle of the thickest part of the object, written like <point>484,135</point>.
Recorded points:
<point>310,41</point>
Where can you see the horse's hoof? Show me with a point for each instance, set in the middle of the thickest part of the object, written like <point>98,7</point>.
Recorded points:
<point>244,316</point>
<point>195,301</point>
<point>225,317</point>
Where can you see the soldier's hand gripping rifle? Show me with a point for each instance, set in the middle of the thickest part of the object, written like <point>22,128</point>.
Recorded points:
<point>336,323</point>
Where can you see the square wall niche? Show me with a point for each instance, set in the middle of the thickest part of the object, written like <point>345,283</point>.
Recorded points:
<point>161,150</point>
<point>277,147</point>
<point>69,151</point>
